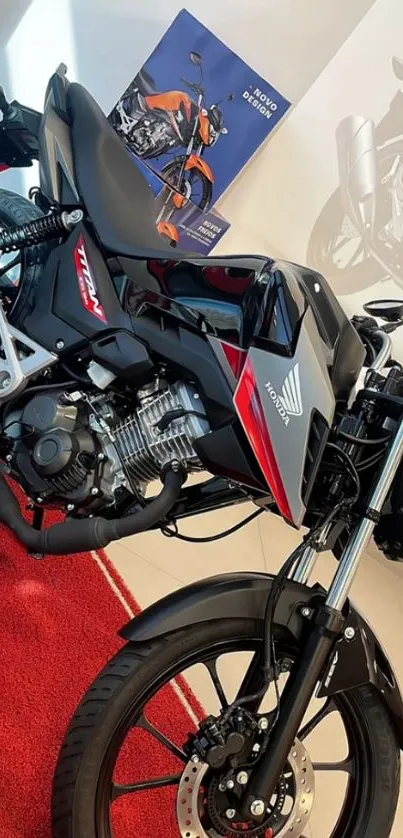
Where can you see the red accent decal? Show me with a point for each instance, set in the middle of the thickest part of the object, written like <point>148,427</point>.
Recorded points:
<point>235,356</point>
<point>4,167</point>
<point>221,279</point>
<point>86,282</point>
<point>249,406</point>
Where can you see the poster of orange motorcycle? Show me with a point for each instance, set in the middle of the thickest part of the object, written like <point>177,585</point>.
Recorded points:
<point>195,113</point>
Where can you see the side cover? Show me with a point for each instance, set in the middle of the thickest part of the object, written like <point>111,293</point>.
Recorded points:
<point>277,398</point>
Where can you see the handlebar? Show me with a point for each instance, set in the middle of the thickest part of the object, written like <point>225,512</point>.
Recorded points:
<point>9,112</point>
<point>384,352</point>
<point>378,339</point>
<point>197,88</point>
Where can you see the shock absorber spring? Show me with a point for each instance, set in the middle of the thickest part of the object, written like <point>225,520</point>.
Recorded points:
<point>39,230</point>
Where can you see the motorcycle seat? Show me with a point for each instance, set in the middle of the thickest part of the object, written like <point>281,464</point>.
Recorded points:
<point>118,199</point>
<point>145,83</point>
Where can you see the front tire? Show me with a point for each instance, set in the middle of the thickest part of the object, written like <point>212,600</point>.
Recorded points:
<point>116,700</point>
<point>199,188</point>
<point>336,248</point>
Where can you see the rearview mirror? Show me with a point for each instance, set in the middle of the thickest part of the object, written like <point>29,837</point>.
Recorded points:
<point>195,57</point>
<point>390,310</point>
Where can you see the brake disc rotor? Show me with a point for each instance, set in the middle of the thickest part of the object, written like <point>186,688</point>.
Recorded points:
<point>191,808</point>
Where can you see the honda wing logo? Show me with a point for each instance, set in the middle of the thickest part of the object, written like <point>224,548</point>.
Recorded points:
<point>291,393</point>
<point>289,403</point>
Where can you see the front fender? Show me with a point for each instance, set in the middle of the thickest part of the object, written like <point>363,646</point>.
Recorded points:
<point>354,663</point>
<point>358,170</point>
<point>196,162</point>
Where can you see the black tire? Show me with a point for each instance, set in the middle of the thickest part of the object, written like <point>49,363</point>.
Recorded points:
<point>196,178</point>
<point>16,210</point>
<point>364,273</point>
<point>118,695</point>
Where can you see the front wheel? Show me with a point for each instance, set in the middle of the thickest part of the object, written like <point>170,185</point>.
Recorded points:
<point>336,248</point>
<point>194,186</point>
<point>126,765</point>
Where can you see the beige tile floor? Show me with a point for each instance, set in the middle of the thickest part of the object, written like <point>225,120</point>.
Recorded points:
<point>153,566</point>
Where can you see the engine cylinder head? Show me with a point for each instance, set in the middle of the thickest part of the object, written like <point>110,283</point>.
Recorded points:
<point>145,449</point>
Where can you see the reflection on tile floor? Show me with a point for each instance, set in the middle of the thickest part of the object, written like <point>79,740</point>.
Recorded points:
<point>153,565</point>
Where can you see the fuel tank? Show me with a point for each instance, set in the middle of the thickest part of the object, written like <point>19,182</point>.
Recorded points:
<point>250,301</point>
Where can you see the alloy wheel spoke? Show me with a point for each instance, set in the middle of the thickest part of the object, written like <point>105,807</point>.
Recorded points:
<point>253,682</point>
<point>164,740</point>
<point>359,250</point>
<point>337,248</point>
<point>328,707</point>
<point>338,244</point>
<point>120,789</point>
<point>345,765</point>
<point>12,264</point>
<point>211,667</point>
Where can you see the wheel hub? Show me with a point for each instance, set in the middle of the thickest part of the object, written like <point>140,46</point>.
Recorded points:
<point>203,808</point>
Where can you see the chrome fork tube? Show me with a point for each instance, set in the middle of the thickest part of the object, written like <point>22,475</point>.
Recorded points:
<point>305,565</point>
<point>344,577</point>
<point>307,562</point>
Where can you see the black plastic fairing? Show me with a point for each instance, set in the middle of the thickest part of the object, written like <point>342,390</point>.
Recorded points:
<point>335,329</point>
<point>190,355</point>
<point>58,311</point>
<point>227,452</point>
<point>225,294</point>
<point>276,328</point>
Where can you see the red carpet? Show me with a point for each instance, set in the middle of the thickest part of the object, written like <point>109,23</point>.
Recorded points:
<point>58,627</point>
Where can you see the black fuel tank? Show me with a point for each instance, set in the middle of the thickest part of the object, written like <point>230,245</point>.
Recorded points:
<point>250,301</point>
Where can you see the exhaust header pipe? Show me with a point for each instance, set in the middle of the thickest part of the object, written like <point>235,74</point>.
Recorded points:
<point>88,534</point>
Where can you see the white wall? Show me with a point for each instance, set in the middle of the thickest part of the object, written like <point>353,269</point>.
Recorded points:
<point>289,184</point>
<point>104,43</point>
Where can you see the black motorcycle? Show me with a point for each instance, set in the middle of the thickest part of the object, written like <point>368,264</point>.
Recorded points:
<point>121,365</point>
<point>357,239</point>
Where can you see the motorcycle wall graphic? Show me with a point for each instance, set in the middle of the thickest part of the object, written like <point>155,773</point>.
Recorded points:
<point>357,239</point>
<point>198,132</point>
<point>159,123</point>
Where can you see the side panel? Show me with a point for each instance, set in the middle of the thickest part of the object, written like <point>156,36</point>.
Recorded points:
<point>275,399</point>
<point>76,301</point>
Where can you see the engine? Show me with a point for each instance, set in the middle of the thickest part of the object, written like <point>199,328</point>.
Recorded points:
<point>77,451</point>
<point>151,136</point>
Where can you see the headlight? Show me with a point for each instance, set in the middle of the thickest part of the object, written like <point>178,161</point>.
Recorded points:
<point>213,135</point>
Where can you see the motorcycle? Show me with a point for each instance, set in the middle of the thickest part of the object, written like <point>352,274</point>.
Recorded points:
<point>121,366</point>
<point>154,124</point>
<point>357,240</point>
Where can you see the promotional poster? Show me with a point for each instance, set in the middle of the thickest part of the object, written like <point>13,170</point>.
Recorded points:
<point>196,112</point>
<point>187,227</point>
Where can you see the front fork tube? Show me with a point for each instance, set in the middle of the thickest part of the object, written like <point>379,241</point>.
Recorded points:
<point>295,700</point>
<point>327,626</point>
